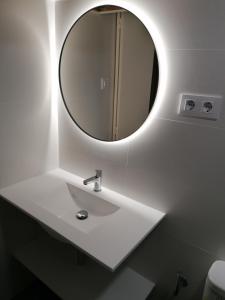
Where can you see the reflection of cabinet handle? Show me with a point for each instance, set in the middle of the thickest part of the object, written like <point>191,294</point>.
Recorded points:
<point>102,83</point>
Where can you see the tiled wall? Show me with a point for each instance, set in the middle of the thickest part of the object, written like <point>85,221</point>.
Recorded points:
<point>177,164</point>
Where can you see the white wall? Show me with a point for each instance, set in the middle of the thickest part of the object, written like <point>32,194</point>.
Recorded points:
<point>176,165</point>
<point>25,106</point>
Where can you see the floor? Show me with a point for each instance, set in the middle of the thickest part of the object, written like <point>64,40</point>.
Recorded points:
<point>37,291</point>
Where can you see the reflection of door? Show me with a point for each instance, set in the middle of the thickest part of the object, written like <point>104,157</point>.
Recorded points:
<point>134,59</point>
<point>98,71</point>
<point>88,73</point>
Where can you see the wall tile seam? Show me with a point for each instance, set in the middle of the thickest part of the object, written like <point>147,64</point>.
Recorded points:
<point>192,245</point>
<point>189,123</point>
<point>195,49</point>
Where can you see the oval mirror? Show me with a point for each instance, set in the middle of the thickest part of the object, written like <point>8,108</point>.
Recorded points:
<point>108,73</point>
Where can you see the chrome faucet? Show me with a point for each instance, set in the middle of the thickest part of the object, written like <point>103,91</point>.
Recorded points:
<point>97,179</point>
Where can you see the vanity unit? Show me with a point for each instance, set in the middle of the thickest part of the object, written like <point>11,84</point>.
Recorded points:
<point>115,226</point>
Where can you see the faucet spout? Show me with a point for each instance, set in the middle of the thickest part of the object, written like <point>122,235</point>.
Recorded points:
<point>97,180</point>
<point>89,180</point>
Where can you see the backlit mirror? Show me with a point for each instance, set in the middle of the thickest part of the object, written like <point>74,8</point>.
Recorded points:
<point>108,73</point>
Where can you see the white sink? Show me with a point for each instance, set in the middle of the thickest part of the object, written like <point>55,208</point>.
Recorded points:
<point>75,201</point>
<point>115,225</point>
<point>94,205</point>
<point>66,200</point>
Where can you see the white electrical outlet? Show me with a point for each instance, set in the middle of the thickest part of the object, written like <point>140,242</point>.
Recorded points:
<point>199,106</point>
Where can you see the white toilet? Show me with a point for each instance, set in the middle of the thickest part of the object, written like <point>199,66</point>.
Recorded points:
<point>215,282</point>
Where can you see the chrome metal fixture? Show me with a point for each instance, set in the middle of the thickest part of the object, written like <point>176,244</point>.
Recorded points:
<point>97,179</point>
<point>82,215</point>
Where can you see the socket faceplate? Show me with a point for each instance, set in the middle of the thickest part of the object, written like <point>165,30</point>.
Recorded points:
<point>200,106</point>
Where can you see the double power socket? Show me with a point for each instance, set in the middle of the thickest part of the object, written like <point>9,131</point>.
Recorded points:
<point>200,106</point>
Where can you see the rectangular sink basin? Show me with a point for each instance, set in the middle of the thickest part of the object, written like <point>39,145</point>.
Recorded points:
<point>67,200</point>
<point>115,225</point>
<point>94,205</point>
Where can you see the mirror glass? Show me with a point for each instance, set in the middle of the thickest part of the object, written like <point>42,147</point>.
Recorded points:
<point>108,73</point>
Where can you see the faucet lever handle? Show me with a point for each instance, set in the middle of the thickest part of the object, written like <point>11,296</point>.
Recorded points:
<point>98,173</point>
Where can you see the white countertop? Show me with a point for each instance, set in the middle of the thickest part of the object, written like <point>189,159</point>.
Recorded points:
<point>109,239</point>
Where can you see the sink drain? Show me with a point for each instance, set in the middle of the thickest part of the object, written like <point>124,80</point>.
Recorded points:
<point>82,215</point>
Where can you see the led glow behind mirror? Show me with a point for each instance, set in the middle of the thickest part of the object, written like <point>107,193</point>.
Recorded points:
<point>109,73</point>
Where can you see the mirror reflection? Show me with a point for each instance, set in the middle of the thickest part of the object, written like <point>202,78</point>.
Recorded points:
<point>108,73</point>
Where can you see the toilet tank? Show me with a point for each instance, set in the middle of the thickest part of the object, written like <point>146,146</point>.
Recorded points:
<point>215,282</point>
